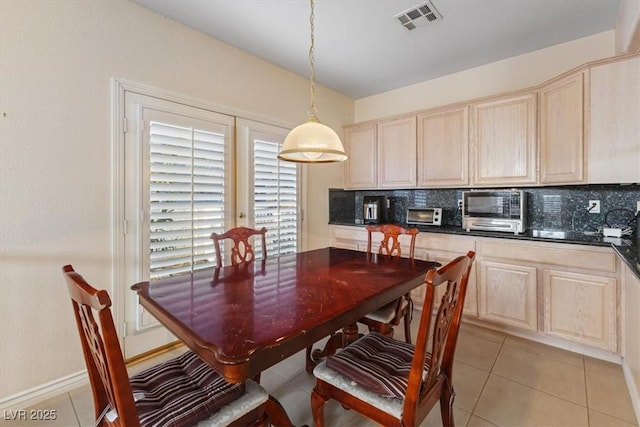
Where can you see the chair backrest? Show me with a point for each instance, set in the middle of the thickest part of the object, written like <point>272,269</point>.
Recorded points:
<point>102,354</point>
<point>390,243</point>
<point>424,390</point>
<point>242,251</point>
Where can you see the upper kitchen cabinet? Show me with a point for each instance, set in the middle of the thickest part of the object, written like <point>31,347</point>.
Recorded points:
<point>443,147</point>
<point>614,151</point>
<point>361,168</point>
<point>562,155</point>
<point>503,138</point>
<point>397,153</point>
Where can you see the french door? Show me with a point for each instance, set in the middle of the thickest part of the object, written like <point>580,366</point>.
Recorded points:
<point>187,174</point>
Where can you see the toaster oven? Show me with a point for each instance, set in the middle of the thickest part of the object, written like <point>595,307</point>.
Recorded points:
<point>424,216</point>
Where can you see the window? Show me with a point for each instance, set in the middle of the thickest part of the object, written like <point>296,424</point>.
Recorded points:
<point>186,197</point>
<point>275,197</point>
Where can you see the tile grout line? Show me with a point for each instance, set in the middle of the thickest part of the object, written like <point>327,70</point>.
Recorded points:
<point>486,381</point>
<point>75,411</point>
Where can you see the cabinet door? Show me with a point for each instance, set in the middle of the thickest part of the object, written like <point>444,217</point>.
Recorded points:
<point>562,135</point>
<point>614,154</point>
<point>508,294</point>
<point>580,308</point>
<point>631,321</point>
<point>361,168</point>
<point>443,148</point>
<point>503,136</point>
<point>397,153</point>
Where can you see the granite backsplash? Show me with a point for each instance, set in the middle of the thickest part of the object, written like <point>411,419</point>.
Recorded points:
<point>548,208</point>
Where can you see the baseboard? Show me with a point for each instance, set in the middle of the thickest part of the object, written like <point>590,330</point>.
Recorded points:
<point>633,390</point>
<point>42,392</point>
<point>583,349</point>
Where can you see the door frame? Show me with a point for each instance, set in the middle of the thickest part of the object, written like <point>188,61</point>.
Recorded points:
<point>119,87</point>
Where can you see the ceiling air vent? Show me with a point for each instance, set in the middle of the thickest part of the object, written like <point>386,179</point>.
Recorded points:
<point>418,15</point>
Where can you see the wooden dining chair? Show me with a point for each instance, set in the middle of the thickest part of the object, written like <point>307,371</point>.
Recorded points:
<point>385,318</point>
<point>395,383</point>
<point>242,251</point>
<point>183,391</point>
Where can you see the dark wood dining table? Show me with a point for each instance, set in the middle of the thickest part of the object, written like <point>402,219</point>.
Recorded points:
<point>244,319</point>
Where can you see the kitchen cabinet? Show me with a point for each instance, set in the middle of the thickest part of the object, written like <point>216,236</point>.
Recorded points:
<point>508,294</point>
<point>581,308</point>
<point>381,154</point>
<point>614,152</point>
<point>573,287</point>
<point>560,294</point>
<point>397,153</point>
<point>361,168</point>
<point>503,140</point>
<point>443,248</point>
<point>631,353</point>
<point>443,147</point>
<point>562,153</point>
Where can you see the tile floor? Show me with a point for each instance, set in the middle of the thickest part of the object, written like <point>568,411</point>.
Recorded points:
<point>500,380</point>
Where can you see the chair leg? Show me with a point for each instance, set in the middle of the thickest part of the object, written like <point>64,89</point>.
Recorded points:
<point>407,328</point>
<point>317,408</point>
<point>446,404</point>
<point>382,328</point>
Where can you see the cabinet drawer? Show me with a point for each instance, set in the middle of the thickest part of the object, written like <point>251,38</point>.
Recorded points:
<point>349,233</point>
<point>579,257</point>
<point>445,243</point>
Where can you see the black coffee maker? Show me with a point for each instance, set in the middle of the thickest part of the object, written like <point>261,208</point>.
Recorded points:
<point>374,209</point>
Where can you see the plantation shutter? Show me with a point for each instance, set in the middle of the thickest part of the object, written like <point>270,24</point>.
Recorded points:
<point>187,191</point>
<point>275,203</point>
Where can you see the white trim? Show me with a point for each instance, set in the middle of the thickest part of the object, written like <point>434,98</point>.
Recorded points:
<point>634,394</point>
<point>42,392</point>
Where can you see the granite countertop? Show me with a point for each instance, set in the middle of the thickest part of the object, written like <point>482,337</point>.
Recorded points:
<point>628,249</point>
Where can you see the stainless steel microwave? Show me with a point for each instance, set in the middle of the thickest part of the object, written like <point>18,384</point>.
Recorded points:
<point>424,216</point>
<point>494,210</point>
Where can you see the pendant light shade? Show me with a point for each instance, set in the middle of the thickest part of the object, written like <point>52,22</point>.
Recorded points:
<point>312,142</point>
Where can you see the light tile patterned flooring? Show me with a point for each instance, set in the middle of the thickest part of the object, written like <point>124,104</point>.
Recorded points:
<point>500,380</point>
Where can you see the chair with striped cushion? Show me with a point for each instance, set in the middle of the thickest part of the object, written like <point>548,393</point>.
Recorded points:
<point>385,318</point>
<point>395,383</point>
<point>181,392</point>
<point>242,250</point>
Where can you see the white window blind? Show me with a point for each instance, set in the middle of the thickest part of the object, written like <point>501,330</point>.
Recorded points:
<point>275,198</point>
<point>186,197</point>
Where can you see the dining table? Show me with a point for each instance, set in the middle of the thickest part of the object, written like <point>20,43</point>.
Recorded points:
<point>246,318</point>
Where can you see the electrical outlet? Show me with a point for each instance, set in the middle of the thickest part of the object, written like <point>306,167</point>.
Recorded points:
<point>460,204</point>
<point>594,206</point>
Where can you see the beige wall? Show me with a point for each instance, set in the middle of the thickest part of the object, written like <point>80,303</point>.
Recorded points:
<point>57,59</point>
<point>56,63</point>
<point>628,27</point>
<point>518,72</point>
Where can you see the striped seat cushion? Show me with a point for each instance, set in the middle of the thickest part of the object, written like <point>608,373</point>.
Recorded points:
<point>376,362</point>
<point>181,392</point>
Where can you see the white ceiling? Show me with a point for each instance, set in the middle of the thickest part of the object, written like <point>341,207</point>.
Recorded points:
<point>361,50</point>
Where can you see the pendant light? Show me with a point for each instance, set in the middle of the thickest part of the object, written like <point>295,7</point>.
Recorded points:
<point>312,142</point>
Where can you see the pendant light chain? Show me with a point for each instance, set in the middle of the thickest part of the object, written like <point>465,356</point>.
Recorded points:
<point>312,108</point>
<point>312,141</point>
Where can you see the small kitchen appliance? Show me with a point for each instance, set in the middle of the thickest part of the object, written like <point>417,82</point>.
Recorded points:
<point>424,216</point>
<point>374,209</point>
<point>494,210</point>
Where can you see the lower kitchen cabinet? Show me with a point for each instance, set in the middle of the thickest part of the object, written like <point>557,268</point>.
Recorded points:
<point>508,294</point>
<point>561,294</point>
<point>631,337</point>
<point>580,308</point>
